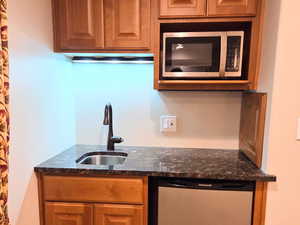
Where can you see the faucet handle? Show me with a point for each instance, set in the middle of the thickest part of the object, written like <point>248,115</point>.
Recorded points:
<point>116,139</point>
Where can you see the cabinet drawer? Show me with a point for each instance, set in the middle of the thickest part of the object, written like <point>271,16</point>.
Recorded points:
<point>93,189</point>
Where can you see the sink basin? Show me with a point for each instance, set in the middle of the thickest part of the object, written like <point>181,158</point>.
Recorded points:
<point>103,158</point>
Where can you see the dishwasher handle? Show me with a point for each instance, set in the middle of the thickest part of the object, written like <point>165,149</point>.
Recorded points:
<point>190,186</point>
<point>235,185</point>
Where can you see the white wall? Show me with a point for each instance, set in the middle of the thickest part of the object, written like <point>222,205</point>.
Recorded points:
<point>42,106</point>
<point>206,120</point>
<point>281,78</point>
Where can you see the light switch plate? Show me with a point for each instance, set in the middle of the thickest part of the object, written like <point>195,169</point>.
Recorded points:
<point>298,130</point>
<point>168,123</point>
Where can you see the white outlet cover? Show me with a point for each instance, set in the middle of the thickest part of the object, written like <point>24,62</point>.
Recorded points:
<point>168,123</point>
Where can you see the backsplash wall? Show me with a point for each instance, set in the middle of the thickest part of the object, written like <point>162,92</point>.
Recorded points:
<point>207,120</point>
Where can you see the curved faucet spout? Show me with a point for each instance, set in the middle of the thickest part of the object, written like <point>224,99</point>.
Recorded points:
<point>107,114</point>
<point>108,120</point>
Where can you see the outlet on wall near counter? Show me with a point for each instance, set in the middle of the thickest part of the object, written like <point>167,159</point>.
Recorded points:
<point>298,130</point>
<point>168,123</point>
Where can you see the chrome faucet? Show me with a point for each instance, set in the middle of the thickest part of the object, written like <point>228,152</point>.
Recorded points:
<point>108,120</point>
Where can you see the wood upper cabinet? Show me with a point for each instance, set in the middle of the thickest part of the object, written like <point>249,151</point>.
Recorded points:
<point>184,8</point>
<point>68,214</point>
<point>113,214</point>
<point>103,25</point>
<point>78,24</point>
<point>199,8</point>
<point>127,24</point>
<point>231,7</point>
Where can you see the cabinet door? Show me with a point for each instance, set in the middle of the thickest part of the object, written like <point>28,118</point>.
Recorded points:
<point>108,214</point>
<point>78,24</point>
<point>182,8</point>
<point>127,24</point>
<point>68,214</point>
<point>232,7</point>
<point>252,125</point>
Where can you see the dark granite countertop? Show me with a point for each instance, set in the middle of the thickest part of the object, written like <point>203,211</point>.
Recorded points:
<point>157,161</point>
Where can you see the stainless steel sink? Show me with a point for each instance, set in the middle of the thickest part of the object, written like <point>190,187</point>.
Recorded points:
<point>104,158</point>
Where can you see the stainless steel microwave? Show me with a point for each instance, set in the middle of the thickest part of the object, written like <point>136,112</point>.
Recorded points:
<point>203,54</point>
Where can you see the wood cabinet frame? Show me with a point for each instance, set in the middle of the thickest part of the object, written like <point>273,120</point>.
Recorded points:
<point>259,204</point>
<point>239,85</point>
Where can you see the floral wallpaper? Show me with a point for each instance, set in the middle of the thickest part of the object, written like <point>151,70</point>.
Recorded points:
<point>4,115</point>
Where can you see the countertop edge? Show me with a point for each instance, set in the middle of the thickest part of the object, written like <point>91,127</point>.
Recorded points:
<point>95,172</point>
<point>60,164</point>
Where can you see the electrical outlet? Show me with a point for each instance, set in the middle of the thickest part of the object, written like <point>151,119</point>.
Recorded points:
<point>298,130</point>
<point>168,123</point>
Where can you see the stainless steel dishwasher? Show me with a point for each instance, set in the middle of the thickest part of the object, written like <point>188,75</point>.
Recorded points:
<point>201,202</point>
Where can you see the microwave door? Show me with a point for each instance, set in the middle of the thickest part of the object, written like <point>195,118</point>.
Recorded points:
<point>192,55</point>
<point>234,54</point>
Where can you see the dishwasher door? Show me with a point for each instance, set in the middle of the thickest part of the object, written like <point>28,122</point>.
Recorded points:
<point>186,206</point>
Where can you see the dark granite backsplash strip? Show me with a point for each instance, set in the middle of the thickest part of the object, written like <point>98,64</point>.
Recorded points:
<point>165,162</point>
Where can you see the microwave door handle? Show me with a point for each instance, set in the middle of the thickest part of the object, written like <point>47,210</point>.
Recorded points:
<point>223,54</point>
<point>235,63</point>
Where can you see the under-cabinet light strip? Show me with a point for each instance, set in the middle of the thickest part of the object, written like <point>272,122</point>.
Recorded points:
<point>113,60</point>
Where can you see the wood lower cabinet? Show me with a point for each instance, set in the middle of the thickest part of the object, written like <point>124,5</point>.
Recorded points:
<point>182,8</point>
<point>78,200</point>
<point>127,24</point>
<point>68,214</point>
<point>78,24</point>
<point>231,7</point>
<point>111,214</point>
<point>93,214</point>
<point>103,211</point>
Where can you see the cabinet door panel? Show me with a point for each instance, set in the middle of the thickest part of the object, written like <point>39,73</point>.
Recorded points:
<point>252,125</point>
<point>184,8</point>
<point>232,7</point>
<point>68,214</point>
<point>108,214</point>
<point>127,24</point>
<point>78,24</point>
